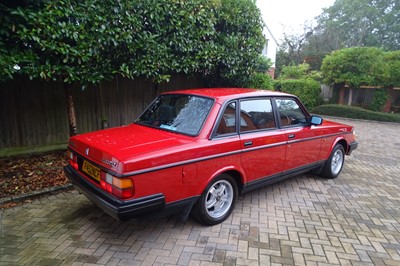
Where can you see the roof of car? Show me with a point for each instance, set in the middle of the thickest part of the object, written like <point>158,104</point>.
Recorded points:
<point>223,94</point>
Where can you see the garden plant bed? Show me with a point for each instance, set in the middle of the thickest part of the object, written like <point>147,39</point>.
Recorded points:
<point>29,174</point>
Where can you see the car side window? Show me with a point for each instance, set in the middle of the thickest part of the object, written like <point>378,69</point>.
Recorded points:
<point>257,114</point>
<point>290,113</point>
<point>227,124</point>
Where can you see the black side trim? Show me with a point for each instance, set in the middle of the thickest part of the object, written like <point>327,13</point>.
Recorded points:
<point>113,206</point>
<point>166,166</point>
<point>264,146</point>
<point>279,177</point>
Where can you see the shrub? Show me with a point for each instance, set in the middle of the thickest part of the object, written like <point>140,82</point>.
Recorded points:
<point>355,112</point>
<point>355,66</point>
<point>301,71</point>
<point>294,71</point>
<point>379,100</point>
<point>263,64</point>
<point>260,81</point>
<point>307,89</point>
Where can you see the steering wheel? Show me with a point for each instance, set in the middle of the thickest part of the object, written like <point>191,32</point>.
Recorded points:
<point>285,120</point>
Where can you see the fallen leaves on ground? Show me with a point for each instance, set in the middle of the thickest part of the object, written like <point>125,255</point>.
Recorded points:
<point>30,173</point>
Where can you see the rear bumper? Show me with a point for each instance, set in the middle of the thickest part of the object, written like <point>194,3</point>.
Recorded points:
<point>113,206</point>
<point>353,146</point>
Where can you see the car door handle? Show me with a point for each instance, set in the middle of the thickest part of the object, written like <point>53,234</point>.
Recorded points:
<point>248,143</point>
<point>292,136</point>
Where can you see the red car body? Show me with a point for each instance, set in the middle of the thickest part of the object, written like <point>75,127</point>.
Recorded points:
<point>149,166</point>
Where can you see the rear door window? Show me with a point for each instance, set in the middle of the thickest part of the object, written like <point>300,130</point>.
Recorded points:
<point>256,114</point>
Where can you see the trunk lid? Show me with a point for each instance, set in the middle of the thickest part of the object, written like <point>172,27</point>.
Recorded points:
<point>115,148</point>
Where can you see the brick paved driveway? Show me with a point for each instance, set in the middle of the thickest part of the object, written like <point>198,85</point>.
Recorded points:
<point>352,220</point>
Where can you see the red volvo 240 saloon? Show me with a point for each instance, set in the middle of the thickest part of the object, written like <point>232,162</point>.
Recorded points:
<point>193,151</point>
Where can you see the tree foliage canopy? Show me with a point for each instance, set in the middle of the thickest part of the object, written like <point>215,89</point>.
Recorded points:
<point>359,66</point>
<point>88,41</point>
<point>347,23</point>
<point>239,41</point>
<point>363,23</point>
<point>392,60</point>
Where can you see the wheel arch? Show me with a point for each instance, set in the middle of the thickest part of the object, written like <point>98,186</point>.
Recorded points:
<point>236,175</point>
<point>343,142</point>
<point>232,171</point>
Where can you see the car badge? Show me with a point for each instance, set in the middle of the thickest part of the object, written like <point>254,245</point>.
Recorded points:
<point>87,151</point>
<point>110,163</point>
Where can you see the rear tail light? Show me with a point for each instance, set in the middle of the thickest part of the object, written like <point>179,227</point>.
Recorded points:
<point>120,187</point>
<point>72,159</point>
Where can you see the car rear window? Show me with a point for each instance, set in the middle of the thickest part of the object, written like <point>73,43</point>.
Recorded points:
<point>184,114</point>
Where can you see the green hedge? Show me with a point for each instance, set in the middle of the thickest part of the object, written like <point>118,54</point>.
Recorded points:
<point>260,81</point>
<point>355,112</point>
<point>308,90</point>
<point>379,100</point>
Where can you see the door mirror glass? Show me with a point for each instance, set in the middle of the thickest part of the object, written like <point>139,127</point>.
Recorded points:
<point>316,120</point>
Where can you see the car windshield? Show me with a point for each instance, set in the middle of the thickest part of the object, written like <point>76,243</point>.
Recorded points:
<point>179,113</point>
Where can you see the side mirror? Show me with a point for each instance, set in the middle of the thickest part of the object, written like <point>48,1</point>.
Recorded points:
<point>316,120</point>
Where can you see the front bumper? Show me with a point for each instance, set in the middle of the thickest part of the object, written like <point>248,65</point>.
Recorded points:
<point>353,146</point>
<point>117,208</point>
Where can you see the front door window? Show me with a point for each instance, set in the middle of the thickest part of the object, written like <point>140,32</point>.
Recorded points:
<point>290,113</point>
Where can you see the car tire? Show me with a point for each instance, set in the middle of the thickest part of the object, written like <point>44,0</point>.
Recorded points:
<point>217,201</point>
<point>334,165</point>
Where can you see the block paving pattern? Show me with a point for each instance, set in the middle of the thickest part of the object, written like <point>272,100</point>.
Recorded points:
<point>306,220</point>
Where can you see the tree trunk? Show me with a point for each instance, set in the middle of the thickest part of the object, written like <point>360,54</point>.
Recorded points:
<point>70,109</point>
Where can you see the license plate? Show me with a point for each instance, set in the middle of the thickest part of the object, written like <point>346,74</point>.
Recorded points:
<point>91,170</point>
